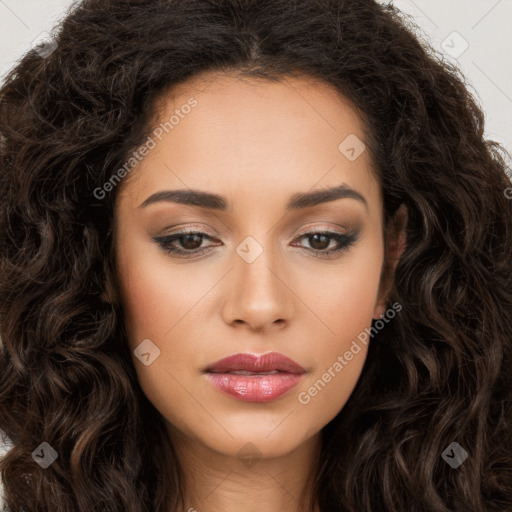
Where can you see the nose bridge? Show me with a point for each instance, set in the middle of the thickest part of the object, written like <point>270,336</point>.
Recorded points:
<point>256,264</point>
<point>259,293</point>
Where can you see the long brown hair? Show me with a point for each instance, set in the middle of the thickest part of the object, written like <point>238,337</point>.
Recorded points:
<point>438,373</point>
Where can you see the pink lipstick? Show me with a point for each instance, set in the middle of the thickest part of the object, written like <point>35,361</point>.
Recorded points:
<point>253,378</point>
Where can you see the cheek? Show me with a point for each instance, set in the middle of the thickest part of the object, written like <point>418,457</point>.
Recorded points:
<point>155,307</point>
<point>154,299</point>
<point>346,306</point>
<point>344,297</point>
<point>158,304</point>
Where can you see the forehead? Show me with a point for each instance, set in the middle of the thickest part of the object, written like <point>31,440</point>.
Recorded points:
<point>252,134</point>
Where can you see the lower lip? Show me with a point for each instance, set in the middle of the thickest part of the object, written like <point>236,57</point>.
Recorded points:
<point>254,388</point>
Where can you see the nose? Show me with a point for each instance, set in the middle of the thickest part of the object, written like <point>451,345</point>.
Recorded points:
<point>257,293</point>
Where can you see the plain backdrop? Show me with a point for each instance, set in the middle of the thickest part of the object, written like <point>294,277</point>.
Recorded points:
<point>475,34</point>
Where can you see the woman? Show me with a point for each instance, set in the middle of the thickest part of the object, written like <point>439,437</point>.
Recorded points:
<point>254,255</point>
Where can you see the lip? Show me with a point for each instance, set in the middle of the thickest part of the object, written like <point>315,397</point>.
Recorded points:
<point>253,363</point>
<point>257,387</point>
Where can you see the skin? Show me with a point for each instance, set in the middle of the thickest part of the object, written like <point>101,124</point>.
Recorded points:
<point>257,143</point>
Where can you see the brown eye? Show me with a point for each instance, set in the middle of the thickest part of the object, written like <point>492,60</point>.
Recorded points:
<point>320,241</point>
<point>190,242</point>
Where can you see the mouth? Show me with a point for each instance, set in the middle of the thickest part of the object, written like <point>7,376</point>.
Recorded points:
<point>242,372</point>
<point>270,363</point>
<point>251,378</point>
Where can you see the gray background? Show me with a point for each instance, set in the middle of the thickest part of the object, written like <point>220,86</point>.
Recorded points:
<point>481,25</point>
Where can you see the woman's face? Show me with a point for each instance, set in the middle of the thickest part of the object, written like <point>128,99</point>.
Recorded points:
<point>254,284</point>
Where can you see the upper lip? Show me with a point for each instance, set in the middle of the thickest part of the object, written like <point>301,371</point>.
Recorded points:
<point>256,363</point>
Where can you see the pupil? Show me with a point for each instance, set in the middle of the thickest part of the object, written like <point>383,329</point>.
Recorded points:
<point>315,238</point>
<point>187,238</point>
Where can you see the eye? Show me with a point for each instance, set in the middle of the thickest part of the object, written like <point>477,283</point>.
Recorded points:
<point>191,242</point>
<point>321,240</point>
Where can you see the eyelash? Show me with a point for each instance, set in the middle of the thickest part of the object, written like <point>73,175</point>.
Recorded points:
<point>345,241</point>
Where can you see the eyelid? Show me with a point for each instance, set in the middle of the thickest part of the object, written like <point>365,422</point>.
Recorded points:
<point>345,239</point>
<point>187,229</point>
<point>322,229</point>
<point>191,228</point>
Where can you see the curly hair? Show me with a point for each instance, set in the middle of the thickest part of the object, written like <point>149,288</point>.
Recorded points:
<point>438,373</point>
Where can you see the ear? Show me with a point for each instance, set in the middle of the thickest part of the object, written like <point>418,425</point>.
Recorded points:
<point>396,244</point>
<point>109,294</point>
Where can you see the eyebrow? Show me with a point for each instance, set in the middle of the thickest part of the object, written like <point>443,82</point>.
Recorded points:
<point>298,201</point>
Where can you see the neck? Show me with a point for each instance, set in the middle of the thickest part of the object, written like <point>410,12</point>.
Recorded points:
<point>217,482</point>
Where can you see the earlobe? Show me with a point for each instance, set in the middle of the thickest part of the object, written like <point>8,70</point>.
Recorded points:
<point>397,236</point>
<point>106,297</point>
<point>109,294</point>
<point>396,244</point>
